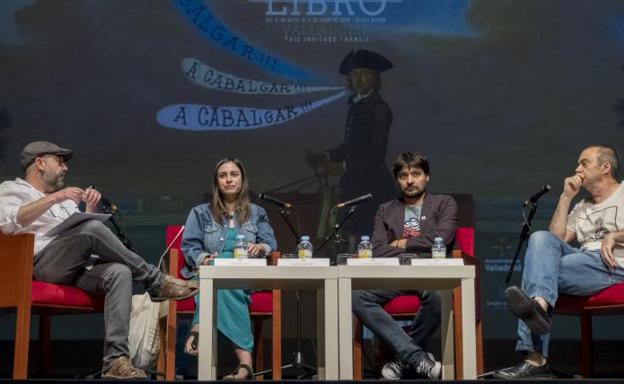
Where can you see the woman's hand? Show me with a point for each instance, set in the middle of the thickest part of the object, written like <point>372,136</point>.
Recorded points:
<point>209,258</point>
<point>255,250</point>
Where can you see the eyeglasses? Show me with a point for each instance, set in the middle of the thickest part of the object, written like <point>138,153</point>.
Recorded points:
<point>62,213</point>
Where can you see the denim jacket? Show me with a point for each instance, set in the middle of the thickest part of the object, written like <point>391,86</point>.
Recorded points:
<point>204,235</point>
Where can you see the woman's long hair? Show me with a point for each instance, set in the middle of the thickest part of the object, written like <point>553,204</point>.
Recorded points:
<point>242,205</point>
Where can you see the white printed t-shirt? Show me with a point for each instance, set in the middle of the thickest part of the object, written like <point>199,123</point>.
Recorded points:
<point>592,222</point>
<point>18,192</point>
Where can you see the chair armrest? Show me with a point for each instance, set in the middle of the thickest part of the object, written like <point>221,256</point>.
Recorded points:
<point>173,262</point>
<point>16,259</point>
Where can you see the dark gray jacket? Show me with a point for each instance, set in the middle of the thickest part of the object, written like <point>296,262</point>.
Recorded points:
<point>438,218</point>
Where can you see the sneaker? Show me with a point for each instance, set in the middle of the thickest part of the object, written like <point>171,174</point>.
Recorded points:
<point>395,370</point>
<point>172,288</point>
<point>392,370</point>
<point>122,369</point>
<point>429,367</point>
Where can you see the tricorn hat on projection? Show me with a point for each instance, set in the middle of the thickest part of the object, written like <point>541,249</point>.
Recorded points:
<point>364,59</point>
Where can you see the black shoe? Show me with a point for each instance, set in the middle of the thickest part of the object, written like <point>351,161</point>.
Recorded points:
<point>527,310</point>
<point>524,370</point>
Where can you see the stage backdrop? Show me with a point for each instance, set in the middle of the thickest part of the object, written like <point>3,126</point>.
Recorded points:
<point>500,94</point>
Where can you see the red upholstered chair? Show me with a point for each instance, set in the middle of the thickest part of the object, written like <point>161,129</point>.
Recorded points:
<point>264,305</point>
<point>406,307</point>
<point>609,301</point>
<point>19,292</point>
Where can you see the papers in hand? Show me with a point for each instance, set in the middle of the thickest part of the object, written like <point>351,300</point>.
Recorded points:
<point>75,219</point>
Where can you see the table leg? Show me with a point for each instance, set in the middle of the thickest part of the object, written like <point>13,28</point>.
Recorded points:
<point>345,317</point>
<point>207,348</point>
<point>330,310</point>
<point>447,335</point>
<point>321,326</point>
<point>468,329</point>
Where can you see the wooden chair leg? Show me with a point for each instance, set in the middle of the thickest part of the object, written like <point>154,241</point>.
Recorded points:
<point>45,345</point>
<point>22,340</point>
<point>258,346</point>
<point>276,335</point>
<point>357,349</point>
<point>457,327</point>
<point>586,345</point>
<point>479,333</point>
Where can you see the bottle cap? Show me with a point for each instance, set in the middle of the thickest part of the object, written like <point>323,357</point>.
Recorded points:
<point>365,237</point>
<point>305,238</point>
<point>437,239</point>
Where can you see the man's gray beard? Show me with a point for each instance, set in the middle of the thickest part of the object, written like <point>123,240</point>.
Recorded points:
<point>55,183</point>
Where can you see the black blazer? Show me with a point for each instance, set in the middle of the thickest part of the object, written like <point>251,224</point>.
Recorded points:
<point>438,218</point>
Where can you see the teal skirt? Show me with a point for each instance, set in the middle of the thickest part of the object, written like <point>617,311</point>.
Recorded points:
<point>233,319</point>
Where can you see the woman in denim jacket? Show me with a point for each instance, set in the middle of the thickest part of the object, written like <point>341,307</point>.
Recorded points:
<point>210,232</point>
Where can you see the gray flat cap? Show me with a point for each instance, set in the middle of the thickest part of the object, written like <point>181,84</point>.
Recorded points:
<point>41,148</point>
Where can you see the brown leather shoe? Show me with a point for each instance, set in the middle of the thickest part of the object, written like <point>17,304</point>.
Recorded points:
<point>122,369</point>
<point>172,288</point>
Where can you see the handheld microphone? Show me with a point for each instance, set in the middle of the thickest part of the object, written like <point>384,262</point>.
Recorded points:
<point>275,201</point>
<point>357,200</point>
<point>107,206</point>
<point>104,204</point>
<point>533,199</point>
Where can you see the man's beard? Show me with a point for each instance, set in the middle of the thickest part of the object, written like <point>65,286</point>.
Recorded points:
<point>54,182</point>
<point>413,194</point>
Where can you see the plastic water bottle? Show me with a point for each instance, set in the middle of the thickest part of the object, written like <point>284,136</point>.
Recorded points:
<point>438,249</point>
<point>240,248</point>
<point>365,248</point>
<point>304,249</point>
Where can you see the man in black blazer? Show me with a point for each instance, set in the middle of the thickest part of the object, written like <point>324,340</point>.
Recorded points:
<point>408,224</point>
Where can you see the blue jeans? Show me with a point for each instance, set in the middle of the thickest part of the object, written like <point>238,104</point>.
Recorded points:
<point>551,267</point>
<point>407,346</point>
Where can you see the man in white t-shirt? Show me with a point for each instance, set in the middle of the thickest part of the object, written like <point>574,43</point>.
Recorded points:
<point>554,267</point>
<point>38,203</point>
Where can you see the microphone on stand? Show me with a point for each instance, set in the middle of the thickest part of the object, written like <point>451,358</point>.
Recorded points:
<point>533,199</point>
<point>356,200</point>
<point>275,200</point>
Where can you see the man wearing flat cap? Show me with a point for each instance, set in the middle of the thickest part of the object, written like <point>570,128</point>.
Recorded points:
<point>363,150</point>
<point>39,202</point>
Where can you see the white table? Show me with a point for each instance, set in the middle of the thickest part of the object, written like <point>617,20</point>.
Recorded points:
<point>322,279</point>
<point>442,277</point>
